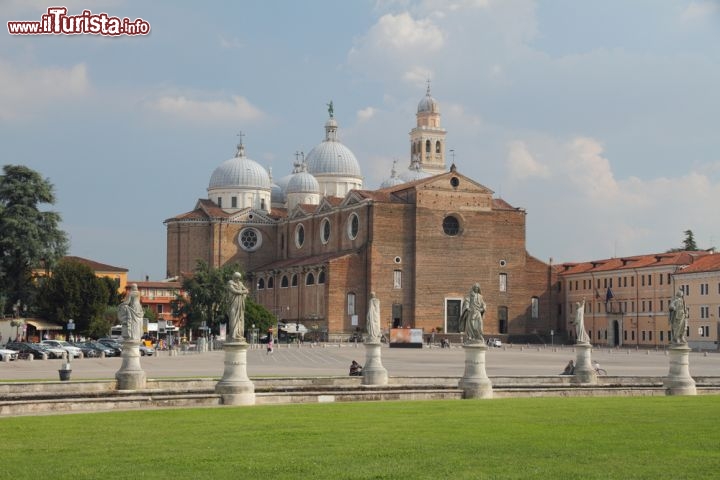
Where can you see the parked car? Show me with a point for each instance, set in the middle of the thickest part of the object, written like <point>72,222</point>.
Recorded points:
<point>101,349</point>
<point>111,343</point>
<point>88,352</point>
<point>71,350</point>
<point>6,353</point>
<point>145,350</point>
<point>495,342</point>
<point>26,349</point>
<point>52,352</point>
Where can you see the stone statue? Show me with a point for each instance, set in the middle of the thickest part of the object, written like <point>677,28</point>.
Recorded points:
<point>130,314</point>
<point>580,332</point>
<point>237,291</point>
<point>678,318</point>
<point>373,318</point>
<point>471,317</point>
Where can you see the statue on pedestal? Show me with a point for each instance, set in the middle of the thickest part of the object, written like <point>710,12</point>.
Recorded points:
<point>130,315</point>
<point>471,316</point>
<point>580,332</point>
<point>237,292</point>
<point>678,319</point>
<point>373,318</point>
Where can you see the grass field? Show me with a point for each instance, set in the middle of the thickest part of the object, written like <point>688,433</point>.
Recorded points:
<point>548,438</point>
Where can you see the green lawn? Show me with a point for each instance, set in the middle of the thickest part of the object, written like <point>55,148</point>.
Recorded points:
<point>547,438</point>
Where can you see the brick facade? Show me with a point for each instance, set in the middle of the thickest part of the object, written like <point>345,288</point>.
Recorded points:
<point>390,241</point>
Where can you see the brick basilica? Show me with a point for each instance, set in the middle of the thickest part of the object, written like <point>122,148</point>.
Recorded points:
<point>314,244</point>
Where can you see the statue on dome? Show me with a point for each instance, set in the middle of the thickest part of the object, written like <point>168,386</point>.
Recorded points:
<point>331,111</point>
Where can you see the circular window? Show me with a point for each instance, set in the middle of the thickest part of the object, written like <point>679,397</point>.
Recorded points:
<point>454,181</point>
<point>299,235</point>
<point>503,263</point>
<point>325,230</point>
<point>353,226</point>
<point>250,239</point>
<point>398,260</point>
<point>451,225</point>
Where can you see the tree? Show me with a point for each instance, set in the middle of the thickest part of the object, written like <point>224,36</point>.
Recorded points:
<point>689,242</point>
<point>73,291</point>
<point>29,238</point>
<point>207,300</point>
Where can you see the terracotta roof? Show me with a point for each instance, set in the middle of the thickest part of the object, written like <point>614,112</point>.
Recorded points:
<point>173,285</point>
<point>637,261</point>
<point>304,261</point>
<point>500,204</point>
<point>706,263</point>
<point>95,266</point>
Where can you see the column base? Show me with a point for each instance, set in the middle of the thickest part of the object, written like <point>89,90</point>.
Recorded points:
<point>131,375</point>
<point>235,387</point>
<point>373,371</point>
<point>678,380</point>
<point>475,382</point>
<point>584,371</point>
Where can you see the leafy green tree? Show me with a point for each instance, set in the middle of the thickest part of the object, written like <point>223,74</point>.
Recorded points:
<point>30,238</point>
<point>689,242</point>
<point>114,295</point>
<point>207,300</point>
<point>73,291</point>
<point>150,314</point>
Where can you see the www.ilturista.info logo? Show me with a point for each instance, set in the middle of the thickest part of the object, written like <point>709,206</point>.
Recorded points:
<point>57,22</point>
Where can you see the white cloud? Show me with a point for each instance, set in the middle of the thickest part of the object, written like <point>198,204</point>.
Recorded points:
<point>234,109</point>
<point>231,43</point>
<point>26,92</point>
<point>403,33</point>
<point>366,114</point>
<point>699,11</point>
<point>522,164</point>
<point>579,207</point>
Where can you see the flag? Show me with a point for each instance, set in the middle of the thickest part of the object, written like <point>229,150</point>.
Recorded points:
<point>609,295</point>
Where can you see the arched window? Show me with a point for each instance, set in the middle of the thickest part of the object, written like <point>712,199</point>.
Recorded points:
<point>310,279</point>
<point>271,283</point>
<point>284,282</point>
<point>534,308</point>
<point>427,146</point>
<point>294,280</point>
<point>321,277</point>
<point>261,284</point>
<point>437,146</point>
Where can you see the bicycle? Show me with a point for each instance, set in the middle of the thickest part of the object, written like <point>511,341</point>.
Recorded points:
<point>598,370</point>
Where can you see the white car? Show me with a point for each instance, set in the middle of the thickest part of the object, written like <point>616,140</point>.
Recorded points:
<point>9,354</point>
<point>71,350</point>
<point>145,350</point>
<point>495,342</point>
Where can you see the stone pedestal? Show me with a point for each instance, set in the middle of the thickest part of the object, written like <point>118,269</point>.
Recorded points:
<point>475,382</point>
<point>679,381</point>
<point>584,371</point>
<point>131,375</point>
<point>235,387</point>
<point>373,372</point>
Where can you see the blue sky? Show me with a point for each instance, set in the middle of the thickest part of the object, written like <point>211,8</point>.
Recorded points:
<point>599,118</point>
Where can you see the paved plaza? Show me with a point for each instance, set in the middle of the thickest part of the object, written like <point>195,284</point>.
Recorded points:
<point>333,360</point>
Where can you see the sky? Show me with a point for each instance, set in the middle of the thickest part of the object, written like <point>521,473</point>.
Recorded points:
<point>599,118</point>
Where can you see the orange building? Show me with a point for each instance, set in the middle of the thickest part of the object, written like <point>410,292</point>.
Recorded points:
<point>627,299</point>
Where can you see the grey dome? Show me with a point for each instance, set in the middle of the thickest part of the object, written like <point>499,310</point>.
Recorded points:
<point>332,157</point>
<point>391,182</point>
<point>303,182</point>
<point>428,104</point>
<point>277,194</point>
<point>414,173</point>
<point>240,171</point>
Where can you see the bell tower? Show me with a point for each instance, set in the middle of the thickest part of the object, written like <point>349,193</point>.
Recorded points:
<point>427,139</point>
